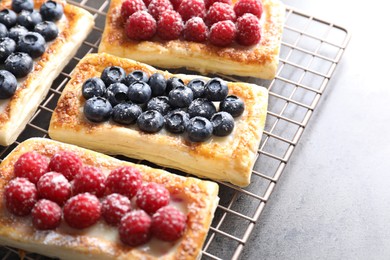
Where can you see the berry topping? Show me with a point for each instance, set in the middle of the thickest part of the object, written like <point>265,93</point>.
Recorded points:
<point>20,5</point>
<point>223,123</point>
<point>126,113</point>
<point>209,3</point>
<point>168,223</point>
<point>8,84</point>
<point>46,215</point>
<point>131,6</point>
<point>150,121</point>
<point>51,11</point>
<point>31,165</point>
<point>139,92</point>
<point>124,180</point>
<point>7,47</point>
<point>116,93</point>
<point>47,29</point>
<point>93,87</point>
<point>177,121</point>
<point>32,43</point>
<point>216,89</point>
<point>222,33</point>
<point>220,12</point>
<point>157,7</point>
<point>181,96</point>
<point>248,30</point>
<point>199,129</point>
<point>202,107</point>
<point>82,211</point>
<point>173,83</point>
<point>55,187</point>
<point>136,75</point>
<point>20,196</point>
<point>141,26</point>
<point>233,105</point>
<point>152,196</point>
<point>134,228</point>
<point>29,19</point>
<point>16,32</point>
<point>8,17</point>
<point>254,7</point>
<point>19,64</point>
<point>170,25</point>
<point>90,179</point>
<point>195,30</point>
<point>112,75</point>
<point>197,87</point>
<point>67,163</point>
<point>191,8</point>
<point>114,207</point>
<point>158,84</point>
<point>97,109</point>
<point>160,104</point>
<point>3,31</point>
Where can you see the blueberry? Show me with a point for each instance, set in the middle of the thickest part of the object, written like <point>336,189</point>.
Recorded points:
<point>19,64</point>
<point>181,96</point>
<point>126,113</point>
<point>8,84</point>
<point>150,121</point>
<point>201,107</point>
<point>47,29</point>
<point>139,92</point>
<point>113,74</point>
<point>16,32</point>
<point>160,104</point>
<point>233,105</point>
<point>177,121</point>
<point>97,109</point>
<point>29,19</point>
<point>117,93</point>
<point>3,31</point>
<point>20,5</point>
<point>7,47</point>
<point>216,89</point>
<point>93,87</point>
<point>173,83</point>
<point>158,84</point>
<point>199,129</point>
<point>136,75</point>
<point>197,87</point>
<point>223,123</point>
<point>32,43</point>
<point>51,11</point>
<point>8,17</point>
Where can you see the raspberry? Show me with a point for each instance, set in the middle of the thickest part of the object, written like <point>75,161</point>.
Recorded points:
<point>46,215</point>
<point>31,165</point>
<point>124,180</point>
<point>114,207</point>
<point>131,6</point>
<point>157,7</point>
<point>170,25</point>
<point>176,4</point>
<point>219,12</point>
<point>222,33</point>
<point>248,6</point>
<point>82,210</point>
<point>191,8</point>
<point>67,163</point>
<point>168,223</point>
<point>90,179</point>
<point>134,229</point>
<point>209,3</point>
<point>195,30</point>
<point>248,30</point>
<point>151,197</point>
<point>55,187</point>
<point>20,196</point>
<point>140,26</point>
<point>147,2</point>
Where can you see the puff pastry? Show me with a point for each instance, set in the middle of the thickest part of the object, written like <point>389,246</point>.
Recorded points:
<point>260,60</point>
<point>228,158</point>
<point>199,199</point>
<point>74,27</point>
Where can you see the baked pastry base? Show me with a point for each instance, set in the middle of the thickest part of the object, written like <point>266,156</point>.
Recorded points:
<point>228,158</point>
<point>200,199</point>
<point>260,60</point>
<point>17,110</point>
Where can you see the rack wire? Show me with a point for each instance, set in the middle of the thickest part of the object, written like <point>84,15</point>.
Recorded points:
<point>310,52</point>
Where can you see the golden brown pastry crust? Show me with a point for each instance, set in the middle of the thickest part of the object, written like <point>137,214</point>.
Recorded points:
<point>17,110</point>
<point>260,60</point>
<point>200,197</point>
<point>229,158</point>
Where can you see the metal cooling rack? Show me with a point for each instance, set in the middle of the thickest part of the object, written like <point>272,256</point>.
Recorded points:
<point>310,52</point>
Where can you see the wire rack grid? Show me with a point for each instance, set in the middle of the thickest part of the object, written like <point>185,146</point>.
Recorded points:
<point>310,52</point>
